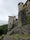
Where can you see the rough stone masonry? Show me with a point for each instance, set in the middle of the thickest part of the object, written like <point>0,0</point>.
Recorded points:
<point>20,25</point>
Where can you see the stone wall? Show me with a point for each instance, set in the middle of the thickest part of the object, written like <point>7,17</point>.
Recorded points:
<point>11,21</point>
<point>26,29</point>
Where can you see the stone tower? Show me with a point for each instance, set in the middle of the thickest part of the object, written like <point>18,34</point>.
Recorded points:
<point>20,8</point>
<point>11,21</point>
<point>26,28</point>
<point>27,8</point>
<point>21,14</point>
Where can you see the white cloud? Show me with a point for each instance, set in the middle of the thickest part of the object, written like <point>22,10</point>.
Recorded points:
<point>13,6</point>
<point>9,8</point>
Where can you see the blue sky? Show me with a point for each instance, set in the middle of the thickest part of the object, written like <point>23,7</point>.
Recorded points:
<point>9,8</point>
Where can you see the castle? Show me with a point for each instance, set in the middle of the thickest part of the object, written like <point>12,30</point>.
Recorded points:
<point>20,25</point>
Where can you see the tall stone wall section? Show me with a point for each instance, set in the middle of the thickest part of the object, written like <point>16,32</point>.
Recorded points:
<point>11,21</point>
<point>24,11</point>
<point>21,14</point>
<point>20,8</point>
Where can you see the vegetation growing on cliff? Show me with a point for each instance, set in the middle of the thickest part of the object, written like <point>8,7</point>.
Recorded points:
<point>28,19</point>
<point>19,36</point>
<point>3,29</point>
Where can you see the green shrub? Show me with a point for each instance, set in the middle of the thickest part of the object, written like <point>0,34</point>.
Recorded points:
<point>3,29</point>
<point>28,19</point>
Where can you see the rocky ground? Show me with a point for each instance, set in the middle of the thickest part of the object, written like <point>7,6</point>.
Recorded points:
<point>16,37</point>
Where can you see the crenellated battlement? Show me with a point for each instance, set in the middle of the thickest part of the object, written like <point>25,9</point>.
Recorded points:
<point>20,6</point>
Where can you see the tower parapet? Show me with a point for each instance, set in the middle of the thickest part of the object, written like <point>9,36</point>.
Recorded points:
<point>20,6</point>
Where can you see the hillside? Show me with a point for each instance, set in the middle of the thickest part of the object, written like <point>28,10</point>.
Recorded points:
<point>3,29</point>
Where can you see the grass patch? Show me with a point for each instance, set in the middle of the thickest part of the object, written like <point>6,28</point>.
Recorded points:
<point>1,36</point>
<point>19,36</point>
<point>3,29</point>
<point>28,19</point>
